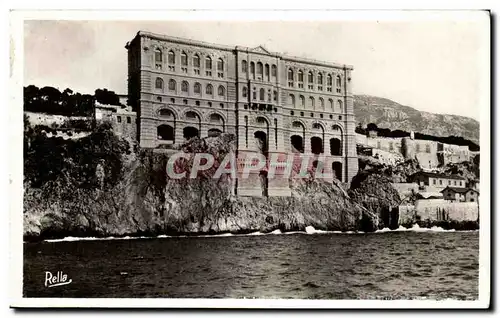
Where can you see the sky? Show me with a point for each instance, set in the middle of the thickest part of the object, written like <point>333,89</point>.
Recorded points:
<point>432,66</point>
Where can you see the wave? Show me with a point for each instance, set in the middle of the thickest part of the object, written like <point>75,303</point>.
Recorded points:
<point>415,228</point>
<point>309,230</point>
<point>74,238</point>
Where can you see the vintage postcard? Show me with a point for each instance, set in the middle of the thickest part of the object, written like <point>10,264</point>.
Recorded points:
<point>274,159</point>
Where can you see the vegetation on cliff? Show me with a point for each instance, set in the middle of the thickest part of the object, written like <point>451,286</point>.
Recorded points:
<point>98,186</point>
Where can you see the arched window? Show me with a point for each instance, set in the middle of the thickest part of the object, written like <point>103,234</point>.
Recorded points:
<point>310,80</point>
<point>297,143</point>
<point>158,55</point>
<point>244,66</point>
<point>209,90</point>
<point>267,72</point>
<point>254,93</point>
<point>262,94</point>
<point>184,59</point>
<point>208,63</point>
<point>171,57</point>
<point>220,65</point>
<point>165,113</point>
<point>339,103</point>
<point>321,103</point>
<point>184,86</point>
<point>244,92</point>
<point>216,118</point>
<point>330,101</point>
<point>172,85</point>
<point>221,90</point>
<point>320,82</point>
<point>252,70</point>
<point>302,101</point>
<point>259,69</point>
<point>165,132</point>
<point>158,83</point>
<point>197,88</point>
<point>291,100</point>
<point>290,77</point>
<point>335,147</point>
<point>196,61</point>
<point>311,102</point>
<point>158,59</point>
<point>301,79</point>
<point>337,168</point>
<point>220,68</point>
<point>275,96</point>
<point>338,84</point>
<point>316,145</point>
<point>274,71</point>
<point>329,83</point>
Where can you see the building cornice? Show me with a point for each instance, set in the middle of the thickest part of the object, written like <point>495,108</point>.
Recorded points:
<point>177,40</point>
<point>227,48</point>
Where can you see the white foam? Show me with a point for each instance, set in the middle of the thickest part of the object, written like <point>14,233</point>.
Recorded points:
<point>308,230</point>
<point>256,233</point>
<point>416,228</point>
<point>385,229</point>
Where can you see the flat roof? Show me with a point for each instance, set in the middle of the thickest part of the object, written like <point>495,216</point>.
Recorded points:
<point>438,175</point>
<point>459,190</point>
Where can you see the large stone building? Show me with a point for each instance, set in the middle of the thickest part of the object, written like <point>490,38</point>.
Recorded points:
<point>273,103</point>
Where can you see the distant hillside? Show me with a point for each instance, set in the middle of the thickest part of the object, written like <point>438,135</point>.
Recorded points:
<point>386,113</point>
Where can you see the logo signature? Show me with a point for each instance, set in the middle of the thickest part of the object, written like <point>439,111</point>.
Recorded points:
<point>59,279</point>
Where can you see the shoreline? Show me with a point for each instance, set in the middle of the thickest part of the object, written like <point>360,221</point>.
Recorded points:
<point>308,231</point>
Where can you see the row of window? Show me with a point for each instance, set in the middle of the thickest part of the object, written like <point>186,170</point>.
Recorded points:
<point>449,182</point>
<point>213,118</point>
<point>262,94</point>
<point>311,85</point>
<point>197,87</point>
<point>312,115</point>
<point>119,119</point>
<point>186,102</point>
<point>311,103</point>
<point>196,62</point>
<point>262,72</point>
<point>317,144</point>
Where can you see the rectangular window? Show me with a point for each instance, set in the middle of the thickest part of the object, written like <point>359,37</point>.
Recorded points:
<point>119,119</point>
<point>433,181</point>
<point>440,182</point>
<point>129,120</point>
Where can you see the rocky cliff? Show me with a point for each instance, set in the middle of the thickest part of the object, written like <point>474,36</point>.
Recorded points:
<point>138,198</point>
<point>386,113</point>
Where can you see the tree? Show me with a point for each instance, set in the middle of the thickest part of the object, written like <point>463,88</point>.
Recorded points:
<point>372,126</point>
<point>106,97</point>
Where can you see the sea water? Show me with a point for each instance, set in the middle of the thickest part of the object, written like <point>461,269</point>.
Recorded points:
<point>400,264</point>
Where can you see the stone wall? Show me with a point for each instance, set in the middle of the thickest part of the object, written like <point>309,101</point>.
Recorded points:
<point>430,154</point>
<point>438,210</point>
